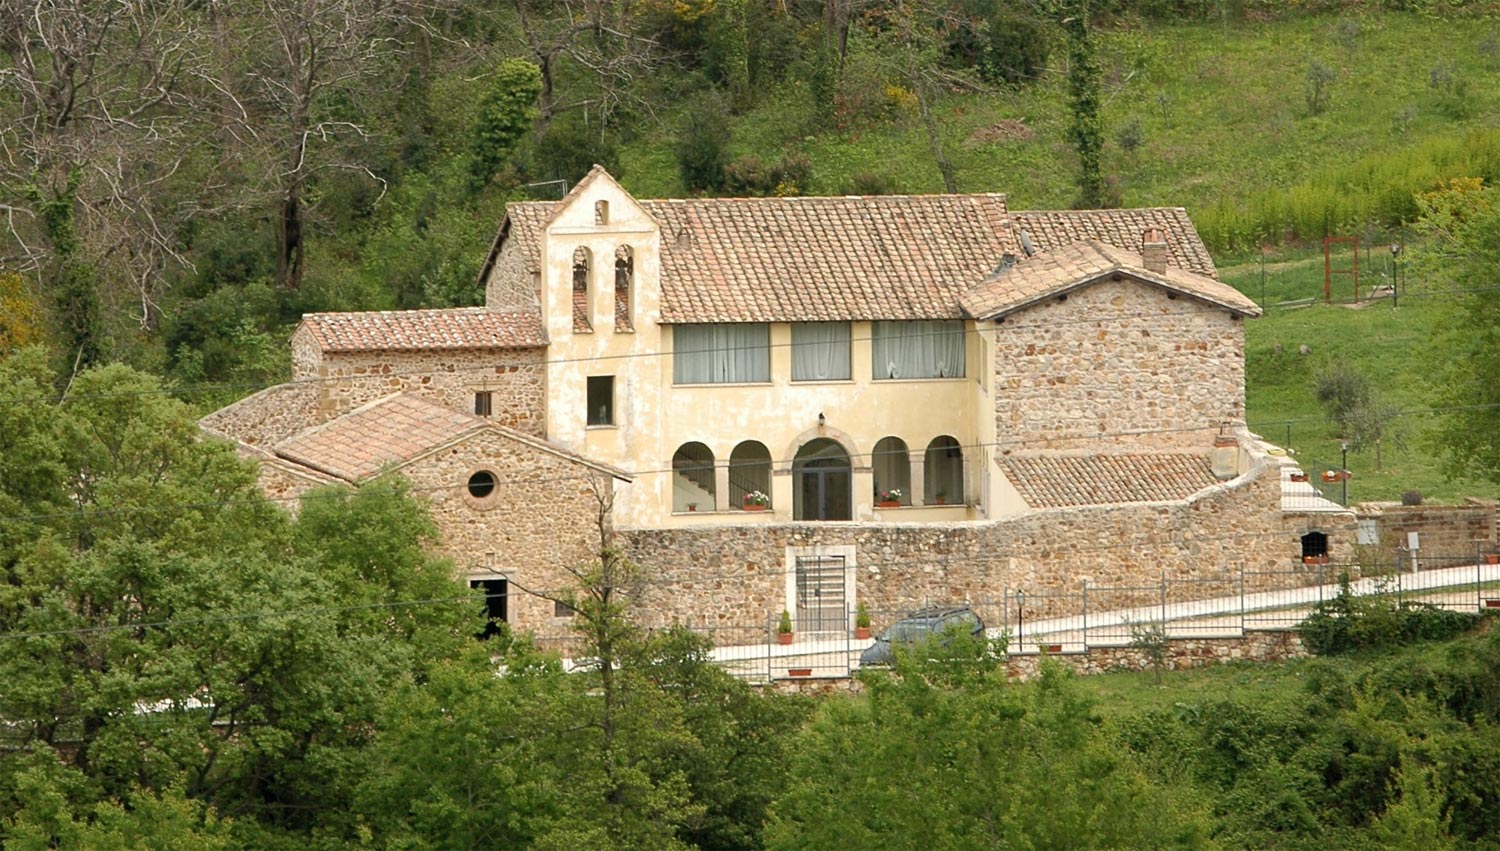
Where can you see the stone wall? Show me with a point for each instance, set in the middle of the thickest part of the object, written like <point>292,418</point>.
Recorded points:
<point>540,520</point>
<point>739,575</point>
<point>1182,654</point>
<point>511,285</point>
<point>1167,368</point>
<point>1443,531</point>
<point>449,377</point>
<point>270,416</point>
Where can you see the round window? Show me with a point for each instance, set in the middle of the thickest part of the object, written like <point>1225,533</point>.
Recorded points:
<point>481,484</point>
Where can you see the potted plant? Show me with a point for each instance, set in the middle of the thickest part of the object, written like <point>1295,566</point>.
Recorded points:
<point>1492,557</point>
<point>692,506</point>
<point>1299,476</point>
<point>784,628</point>
<point>1322,559</point>
<point>888,498</point>
<point>941,498</point>
<point>756,501</point>
<point>861,622</point>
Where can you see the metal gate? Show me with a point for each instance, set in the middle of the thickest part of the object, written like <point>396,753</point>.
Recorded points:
<point>820,594</point>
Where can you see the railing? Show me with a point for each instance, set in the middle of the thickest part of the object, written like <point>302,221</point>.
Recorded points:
<point>1089,615</point>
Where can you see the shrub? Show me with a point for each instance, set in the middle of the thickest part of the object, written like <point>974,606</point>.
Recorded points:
<point>1017,51</point>
<point>1342,391</point>
<point>702,142</point>
<point>869,183</point>
<point>1348,623</point>
<point>750,176</point>
<point>1319,83</point>
<point>1411,497</point>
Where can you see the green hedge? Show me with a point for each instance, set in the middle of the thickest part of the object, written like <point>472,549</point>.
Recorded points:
<point>1379,189</point>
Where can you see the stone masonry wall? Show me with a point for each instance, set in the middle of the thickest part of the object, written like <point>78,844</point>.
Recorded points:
<point>540,520</point>
<point>738,575</point>
<point>1154,364</point>
<point>1443,531</point>
<point>270,416</point>
<point>449,377</point>
<point>510,285</point>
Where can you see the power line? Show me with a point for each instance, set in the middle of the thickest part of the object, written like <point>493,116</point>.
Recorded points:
<point>1009,444</point>
<point>489,366</point>
<point>912,567</point>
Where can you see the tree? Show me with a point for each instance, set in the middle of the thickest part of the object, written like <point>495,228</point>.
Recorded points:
<point>956,758</point>
<point>93,144</point>
<point>647,744</point>
<point>169,633</point>
<point>1468,431</point>
<point>1084,99</point>
<point>506,113</point>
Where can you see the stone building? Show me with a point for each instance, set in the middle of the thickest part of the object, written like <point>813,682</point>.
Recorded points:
<point>807,402</point>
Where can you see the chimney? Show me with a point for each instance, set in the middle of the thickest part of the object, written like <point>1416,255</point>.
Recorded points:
<point>1225,459</point>
<point>1154,250</point>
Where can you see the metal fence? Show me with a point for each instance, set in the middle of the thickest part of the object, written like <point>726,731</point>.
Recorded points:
<point>1090,615</point>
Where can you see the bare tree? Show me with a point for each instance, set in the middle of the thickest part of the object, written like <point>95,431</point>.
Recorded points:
<point>300,56</point>
<point>93,116</point>
<point>600,37</point>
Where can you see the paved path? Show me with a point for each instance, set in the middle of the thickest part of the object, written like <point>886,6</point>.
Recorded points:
<point>835,655</point>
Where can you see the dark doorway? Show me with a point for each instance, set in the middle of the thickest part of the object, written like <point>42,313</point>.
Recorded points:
<point>823,482</point>
<point>496,600</point>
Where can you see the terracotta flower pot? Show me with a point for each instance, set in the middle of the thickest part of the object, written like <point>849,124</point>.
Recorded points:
<point>799,672</point>
<point>861,633</point>
<point>1299,477</point>
<point>888,503</point>
<point>1492,558</point>
<point>783,638</point>
<point>751,506</point>
<point>1315,559</point>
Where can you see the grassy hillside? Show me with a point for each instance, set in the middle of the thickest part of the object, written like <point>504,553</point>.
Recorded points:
<point>1395,345</point>
<point>1223,112</point>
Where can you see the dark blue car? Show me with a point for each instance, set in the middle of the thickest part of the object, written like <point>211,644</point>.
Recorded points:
<point>919,626</point>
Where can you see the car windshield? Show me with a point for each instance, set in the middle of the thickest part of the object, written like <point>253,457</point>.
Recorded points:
<point>907,631</point>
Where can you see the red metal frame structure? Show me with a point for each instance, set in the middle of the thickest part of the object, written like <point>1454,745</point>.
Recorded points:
<point>1329,271</point>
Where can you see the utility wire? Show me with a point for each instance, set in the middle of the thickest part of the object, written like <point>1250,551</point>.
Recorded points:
<point>1007,444</point>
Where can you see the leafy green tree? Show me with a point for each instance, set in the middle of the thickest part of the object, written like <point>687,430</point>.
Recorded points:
<point>505,115</point>
<point>702,142</point>
<point>1085,100</point>
<point>1468,431</point>
<point>955,758</point>
<point>164,627</point>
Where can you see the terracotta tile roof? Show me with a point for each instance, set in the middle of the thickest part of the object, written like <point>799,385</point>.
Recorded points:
<point>403,330</point>
<point>1052,229</point>
<point>1059,481</point>
<point>1068,268</point>
<point>850,258</point>
<point>387,432</point>
<point>395,431</point>
<point>808,259</point>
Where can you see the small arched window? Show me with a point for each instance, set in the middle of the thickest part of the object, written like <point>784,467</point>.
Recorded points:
<point>583,263</point>
<point>693,484</point>
<point>943,474</point>
<point>624,283</point>
<point>1314,546</point>
<point>892,467</point>
<point>749,472</point>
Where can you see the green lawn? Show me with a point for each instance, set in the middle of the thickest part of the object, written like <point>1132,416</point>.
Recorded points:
<point>1223,110</point>
<point>1395,345</point>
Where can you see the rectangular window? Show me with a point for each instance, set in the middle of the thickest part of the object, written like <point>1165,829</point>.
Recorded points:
<point>496,600</point>
<point>932,349</point>
<point>721,354</point>
<point>601,400</point>
<point>820,351</point>
<point>484,401</point>
<point>562,610</point>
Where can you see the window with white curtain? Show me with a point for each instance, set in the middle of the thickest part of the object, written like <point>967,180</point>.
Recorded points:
<point>820,351</point>
<point>721,354</point>
<point>928,349</point>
